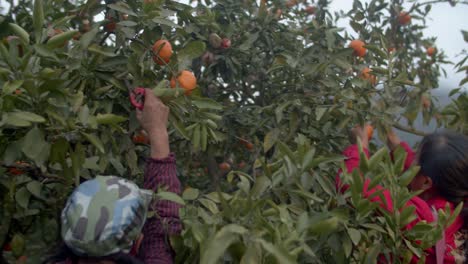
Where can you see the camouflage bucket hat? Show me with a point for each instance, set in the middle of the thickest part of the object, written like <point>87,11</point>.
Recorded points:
<point>104,216</point>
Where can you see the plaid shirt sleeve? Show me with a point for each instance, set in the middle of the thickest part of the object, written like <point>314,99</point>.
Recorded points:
<point>156,249</point>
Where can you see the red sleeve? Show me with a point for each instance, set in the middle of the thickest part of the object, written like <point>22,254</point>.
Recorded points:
<point>155,249</point>
<point>351,154</point>
<point>422,211</point>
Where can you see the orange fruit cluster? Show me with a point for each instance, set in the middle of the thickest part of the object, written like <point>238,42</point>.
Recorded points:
<point>366,75</point>
<point>358,47</point>
<point>186,80</point>
<point>162,50</point>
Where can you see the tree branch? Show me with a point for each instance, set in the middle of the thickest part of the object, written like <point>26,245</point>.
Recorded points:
<point>409,130</point>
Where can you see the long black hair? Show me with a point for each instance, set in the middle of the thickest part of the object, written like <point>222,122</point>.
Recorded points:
<point>64,253</point>
<point>443,157</point>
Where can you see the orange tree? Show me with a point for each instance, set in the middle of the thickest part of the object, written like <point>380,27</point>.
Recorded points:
<point>276,89</point>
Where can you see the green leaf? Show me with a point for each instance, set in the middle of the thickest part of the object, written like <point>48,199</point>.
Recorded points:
<point>22,197</point>
<point>192,50</point>
<point>12,153</point>
<point>167,22</point>
<point>108,52</point>
<point>95,141</point>
<point>34,187</point>
<point>18,245</point>
<point>170,196</point>
<point>117,165</point>
<point>88,37</point>
<point>204,137</point>
<point>196,137</point>
<point>122,8</point>
<point>109,119</point>
<point>210,205</point>
<point>16,122</point>
<point>91,163</point>
<point>206,103</point>
<point>43,51</point>
<point>180,128</point>
<point>22,34</point>
<point>281,254</point>
<point>270,139</point>
<point>38,19</point>
<point>319,112</point>
<point>308,159</point>
<point>27,116</point>
<point>190,194</point>
<point>324,226</point>
<point>377,158</point>
<point>10,87</point>
<point>218,244</point>
<point>355,235</point>
<point>60,39</point>
<point>35,147</point>
<point>408,176</point>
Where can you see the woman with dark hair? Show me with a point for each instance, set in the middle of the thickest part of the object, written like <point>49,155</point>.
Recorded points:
<point>443,177</point>
<point>105,219</point>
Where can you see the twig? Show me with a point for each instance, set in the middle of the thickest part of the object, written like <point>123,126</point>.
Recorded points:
<point>29,168</point>
<point>409,130</point>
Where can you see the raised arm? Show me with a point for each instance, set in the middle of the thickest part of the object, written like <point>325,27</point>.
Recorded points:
<point>352,160</point>
<point>160,173</point>
<point>393,142</point>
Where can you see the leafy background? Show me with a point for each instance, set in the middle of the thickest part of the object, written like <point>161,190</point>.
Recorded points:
<point>274,109</point>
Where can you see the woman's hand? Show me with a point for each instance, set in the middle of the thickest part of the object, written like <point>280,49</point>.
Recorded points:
<point>359,132</point>
<point>153,118</point>
<point>393,141</point>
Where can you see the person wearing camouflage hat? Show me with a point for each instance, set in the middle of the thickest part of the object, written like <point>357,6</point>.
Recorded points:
<point>105,219</point>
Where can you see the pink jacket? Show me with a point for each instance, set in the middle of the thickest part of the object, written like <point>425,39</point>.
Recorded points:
<point>423,208</point>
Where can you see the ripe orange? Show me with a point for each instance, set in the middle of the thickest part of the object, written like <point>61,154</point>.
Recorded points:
<point>57,31</point>
<point>366,75</point>
<point>241,164</point>
<point>86,26</point>
<point>110,27</point>
<point>162,51</point>
<point>370,131</point>
<point>279,13</point>
<point>430,51</point>
<point>140,138</point>
<point>77,36</point>
<point>224,166</point>
<point>291,3</point>
<point>22,260</point>
<point>249,146</point>
<point>426,103</point>
<point>9,39</point>
<point>358,47</point>
<point>186,80</point>
<point>310,10</point>
<point>404,18</point>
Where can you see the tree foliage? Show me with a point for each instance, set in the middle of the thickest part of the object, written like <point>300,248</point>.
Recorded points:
<point>278,89</point>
